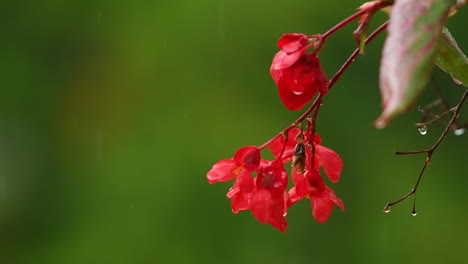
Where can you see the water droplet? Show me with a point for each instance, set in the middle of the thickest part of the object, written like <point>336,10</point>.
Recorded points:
<point>422,130</point>
<point>459,131</point>
<point>387,209</point>
<point>297,93</point>
<point>414,213</point>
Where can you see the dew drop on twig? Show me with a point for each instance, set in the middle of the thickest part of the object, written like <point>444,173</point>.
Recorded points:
<point>422,130</point>
<point>387,209</point>
<point>459,131</point>
<point>414,213</point>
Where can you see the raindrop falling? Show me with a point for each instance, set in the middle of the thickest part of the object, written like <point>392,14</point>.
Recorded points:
<point>414,213</point>
<point>422,130</point>
<point>459,131</point>
<point>387,209</point>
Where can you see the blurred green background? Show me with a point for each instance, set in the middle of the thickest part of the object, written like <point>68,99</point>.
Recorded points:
<point>112,112</point>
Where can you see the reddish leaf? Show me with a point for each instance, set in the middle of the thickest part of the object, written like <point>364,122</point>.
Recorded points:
<point>407,61</point>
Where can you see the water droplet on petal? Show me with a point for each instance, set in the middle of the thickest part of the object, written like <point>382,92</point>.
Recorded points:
<point>422,130</point>
<point>297,93</point>
<point>459,131</point>
<point>387,209</point>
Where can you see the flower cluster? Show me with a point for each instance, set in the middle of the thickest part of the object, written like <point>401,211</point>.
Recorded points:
<point>266,195</point>
<point>261,185</point>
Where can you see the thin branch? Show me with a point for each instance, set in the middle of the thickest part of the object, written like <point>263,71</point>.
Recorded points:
<point>355,54</point>
<point>429,152</point>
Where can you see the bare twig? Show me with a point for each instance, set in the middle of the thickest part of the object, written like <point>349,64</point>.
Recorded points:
<point>429,152</point>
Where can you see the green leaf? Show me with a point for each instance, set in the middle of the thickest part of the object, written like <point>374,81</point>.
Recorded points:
<point>407,61</point>
<point>451,58</point>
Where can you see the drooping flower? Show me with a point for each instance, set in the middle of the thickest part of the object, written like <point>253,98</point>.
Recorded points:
<point>297,74</point>
<point>245,161</point>
<point>322,198</point>
<point>266,195</point>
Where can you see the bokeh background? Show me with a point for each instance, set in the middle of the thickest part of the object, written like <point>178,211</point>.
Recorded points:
<point>112,112</point>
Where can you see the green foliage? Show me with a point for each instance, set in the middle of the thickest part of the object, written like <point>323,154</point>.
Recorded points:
<point>451,58</point>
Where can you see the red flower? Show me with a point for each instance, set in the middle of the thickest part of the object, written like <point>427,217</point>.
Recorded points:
<point>311,185</point>
<point>297,74</point>
<point>269,199</point>
<point>265,196</point>
<point>324,157</point>
<point>245,159</point>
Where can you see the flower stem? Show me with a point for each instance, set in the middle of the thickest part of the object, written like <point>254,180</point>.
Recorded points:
<point>342,24</point>
<point>295,123</point>
<point>355,54</point>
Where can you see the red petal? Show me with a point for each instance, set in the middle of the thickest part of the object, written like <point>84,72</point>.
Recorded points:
<point>245,182</point>
<point>241,191</point>
<point>283,60</point>
<point>249,157</point>
<point>321,207</point>
<point>297,177</point>
<point>269,209</point>
<point>293,197</point>
<point>239,202</point>
<point>272,177</point>
<point>292,42</point>
<point>303,187</point>
<point>276,146</point>
<point>332,196</point>
<point>222,170</point>
<point>331,162</point>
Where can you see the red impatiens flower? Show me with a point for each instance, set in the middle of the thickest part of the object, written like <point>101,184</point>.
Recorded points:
<point>297,74</point>
<point>324,157</point>
<point>311,185</point>
<point>246,159</point>
<point>265,195</point>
